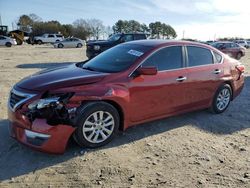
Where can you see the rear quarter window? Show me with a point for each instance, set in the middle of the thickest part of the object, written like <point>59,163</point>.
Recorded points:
<point>217,57</point>
<point>139,37</point>
<point>198,56</point>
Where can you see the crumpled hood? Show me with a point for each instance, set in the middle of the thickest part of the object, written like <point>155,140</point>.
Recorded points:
<point>64,76</point>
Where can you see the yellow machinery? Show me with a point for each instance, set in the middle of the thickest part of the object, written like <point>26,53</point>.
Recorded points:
<point>18,35</point>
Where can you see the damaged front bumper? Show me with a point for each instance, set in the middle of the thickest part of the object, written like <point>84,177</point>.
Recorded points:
<point>39,135</point>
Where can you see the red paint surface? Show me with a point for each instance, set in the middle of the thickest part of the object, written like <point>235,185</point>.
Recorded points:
<point>140,99</point>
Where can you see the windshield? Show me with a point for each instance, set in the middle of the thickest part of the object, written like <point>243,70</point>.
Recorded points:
<point>116,59</point>
<point>114,37</point>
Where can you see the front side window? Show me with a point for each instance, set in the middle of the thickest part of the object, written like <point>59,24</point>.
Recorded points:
<point>127,38</point>
<point>115,37</point>
<point>51,36</point>
<point>166,59</point>
<point>199,56</point>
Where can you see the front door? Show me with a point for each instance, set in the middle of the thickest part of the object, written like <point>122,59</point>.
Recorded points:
<point>157,95</point>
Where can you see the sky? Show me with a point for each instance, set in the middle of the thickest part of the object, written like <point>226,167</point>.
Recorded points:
<point>197,19</point>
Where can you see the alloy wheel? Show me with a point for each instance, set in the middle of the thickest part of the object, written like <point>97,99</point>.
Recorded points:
<point>98,127</point>
<point>223,99</point>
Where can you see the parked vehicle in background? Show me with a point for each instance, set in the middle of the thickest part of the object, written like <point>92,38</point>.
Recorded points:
<point>242,43</point>
<point>230,48</point>
<point>48,38</point>
<point>209,42</point>
<point>129,84</point>
<point>248,42</point>
<point>97,47</point>
<point>7,41</point>
<point>70,43</point>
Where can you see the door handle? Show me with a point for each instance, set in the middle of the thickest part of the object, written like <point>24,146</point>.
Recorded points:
<point>217,71</point>
<point>181,79</point>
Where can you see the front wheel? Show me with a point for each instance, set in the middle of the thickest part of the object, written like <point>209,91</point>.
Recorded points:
<point>221,99</point>
<point>97,123</point>
<point>8,44</point>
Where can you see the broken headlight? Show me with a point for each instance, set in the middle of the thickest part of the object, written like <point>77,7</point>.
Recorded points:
<point>44,103</point>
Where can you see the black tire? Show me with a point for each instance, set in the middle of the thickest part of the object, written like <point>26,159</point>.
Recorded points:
<point>8,44</point>
<point>60,45</point>
<point>239,55</point>
<point>84,115</point>
<point>79,45</point>
<point>216,108</point>
<point>39,42</point>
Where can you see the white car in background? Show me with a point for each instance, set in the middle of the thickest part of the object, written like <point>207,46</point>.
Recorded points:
<point>48,38</point>
<point>7,41</point>
<point>70,43</point>
<point>242,43</point>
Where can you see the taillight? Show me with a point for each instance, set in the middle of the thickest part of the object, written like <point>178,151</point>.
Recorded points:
<point>240,68</point>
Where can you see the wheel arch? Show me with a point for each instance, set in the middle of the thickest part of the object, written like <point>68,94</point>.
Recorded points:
<point>231,86</point>
<point>120,111</point>
<point>116,106</point>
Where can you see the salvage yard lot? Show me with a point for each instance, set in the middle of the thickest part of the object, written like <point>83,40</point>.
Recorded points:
<point>197,149</point>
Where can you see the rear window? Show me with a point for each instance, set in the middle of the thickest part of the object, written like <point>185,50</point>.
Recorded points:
<point>139,37</point>
<point>198,56</point>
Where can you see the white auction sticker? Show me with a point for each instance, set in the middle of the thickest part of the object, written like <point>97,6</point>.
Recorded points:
<point>135,53</point>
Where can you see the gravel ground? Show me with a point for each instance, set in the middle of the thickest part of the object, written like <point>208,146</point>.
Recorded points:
<point>197,149</point>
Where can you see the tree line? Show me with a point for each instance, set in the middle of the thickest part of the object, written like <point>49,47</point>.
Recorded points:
<point>94,28</point>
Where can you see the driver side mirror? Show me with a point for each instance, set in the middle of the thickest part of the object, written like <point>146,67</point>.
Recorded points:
<point>147,71</point>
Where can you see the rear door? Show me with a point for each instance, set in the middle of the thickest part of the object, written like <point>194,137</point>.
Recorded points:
<point>156,95</point>
<point>205,71</point>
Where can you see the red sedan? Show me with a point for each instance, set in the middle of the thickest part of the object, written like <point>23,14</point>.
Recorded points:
<point>129,84</point>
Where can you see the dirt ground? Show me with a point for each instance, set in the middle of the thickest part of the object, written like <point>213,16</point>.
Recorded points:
<point>197,149</point>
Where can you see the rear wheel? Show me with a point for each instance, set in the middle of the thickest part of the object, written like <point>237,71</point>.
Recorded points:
<point>97,124</point>
<point>79,45</point>
<point>221,99</point>
<point>8,44</point>
<point>39,42</point>
<point>60,45</point>
<point>239,55</point>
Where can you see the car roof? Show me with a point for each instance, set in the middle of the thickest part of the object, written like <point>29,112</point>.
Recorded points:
<point>157,42</point>
<point>225,42</point>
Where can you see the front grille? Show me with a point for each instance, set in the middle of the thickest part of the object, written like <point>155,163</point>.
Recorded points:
<point>17,98</point>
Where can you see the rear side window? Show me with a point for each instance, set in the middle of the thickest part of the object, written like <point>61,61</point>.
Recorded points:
<point>166,59</point>
<point>58,35</point>
<point>50,36</point>
<point>199,56</point>
<point>217,57</point>
<point>139,37</point>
